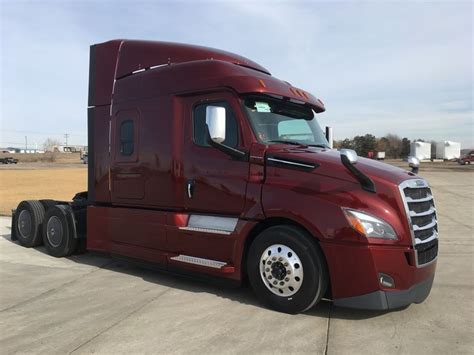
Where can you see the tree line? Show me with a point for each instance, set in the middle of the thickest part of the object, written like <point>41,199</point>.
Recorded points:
<point>393,146</point>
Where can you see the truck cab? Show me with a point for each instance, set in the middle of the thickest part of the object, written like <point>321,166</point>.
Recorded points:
<point>200,161</point>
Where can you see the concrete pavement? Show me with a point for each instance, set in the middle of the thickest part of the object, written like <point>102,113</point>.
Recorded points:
<point>91,303</point>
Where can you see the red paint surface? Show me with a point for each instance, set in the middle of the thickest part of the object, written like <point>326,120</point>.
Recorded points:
<point>141,200</point>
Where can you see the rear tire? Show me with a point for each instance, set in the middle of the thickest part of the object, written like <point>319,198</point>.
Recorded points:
<point>59,231</point>
<point>29,217</point>
<point>48,203</point>
<point>286,269</point>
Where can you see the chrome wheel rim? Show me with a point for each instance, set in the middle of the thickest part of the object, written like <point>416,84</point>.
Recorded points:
<point>281,270</point>
<point>25,223</point>
<point>54,231</point>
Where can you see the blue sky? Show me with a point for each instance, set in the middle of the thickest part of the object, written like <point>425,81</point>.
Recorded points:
<point>380,67</point>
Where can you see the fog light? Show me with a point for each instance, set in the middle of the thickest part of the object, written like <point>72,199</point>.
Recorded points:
<point>386,281</point>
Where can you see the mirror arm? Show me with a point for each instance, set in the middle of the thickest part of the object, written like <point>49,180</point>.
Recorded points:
<point>366,183</point>
<point>234,153</point>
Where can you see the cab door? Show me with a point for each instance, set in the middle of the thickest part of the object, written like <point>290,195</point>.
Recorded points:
<point>215,183</point>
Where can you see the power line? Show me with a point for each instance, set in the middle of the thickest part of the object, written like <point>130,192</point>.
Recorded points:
<point>40,133</point>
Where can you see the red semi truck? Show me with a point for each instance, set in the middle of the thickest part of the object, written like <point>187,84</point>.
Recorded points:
<point>200,161</point>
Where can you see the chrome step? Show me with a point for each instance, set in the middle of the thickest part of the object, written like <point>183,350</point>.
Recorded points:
<point>199,261</point>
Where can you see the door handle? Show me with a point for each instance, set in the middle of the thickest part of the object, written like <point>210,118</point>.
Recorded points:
<point>190,188</point>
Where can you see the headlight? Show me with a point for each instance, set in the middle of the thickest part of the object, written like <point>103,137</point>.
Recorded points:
<point>369,226</point>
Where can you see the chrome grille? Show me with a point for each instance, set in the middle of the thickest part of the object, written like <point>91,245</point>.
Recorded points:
<point>421,213</point>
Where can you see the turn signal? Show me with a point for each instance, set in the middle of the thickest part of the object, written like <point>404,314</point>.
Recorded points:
<point>369,225</point>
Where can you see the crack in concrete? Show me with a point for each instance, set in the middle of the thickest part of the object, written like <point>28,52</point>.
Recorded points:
<point>326,348</point>
<point>128,315</point>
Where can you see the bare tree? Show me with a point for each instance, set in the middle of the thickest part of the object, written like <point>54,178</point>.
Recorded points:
<point>394,147</point>
<point>50,143</point>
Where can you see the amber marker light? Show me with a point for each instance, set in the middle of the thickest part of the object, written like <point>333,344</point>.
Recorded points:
<point>368,225</point>
<point>355,223</point>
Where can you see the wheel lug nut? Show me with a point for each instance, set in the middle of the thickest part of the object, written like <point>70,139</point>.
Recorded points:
<point>274,282</point>
<point>269,277</point>
<point>287,279</point>
<point>282,283</point>
<point>269,262</point>
<point>288,272</point>
<point>286,264</point>
<point>274,258</point>
<point>267,269</point>
<point>280,259</point>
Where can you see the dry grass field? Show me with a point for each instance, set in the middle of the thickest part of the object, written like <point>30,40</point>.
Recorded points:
<point>39,183</point>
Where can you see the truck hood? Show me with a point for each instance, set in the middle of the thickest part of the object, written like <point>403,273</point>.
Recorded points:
<point>329,164</point>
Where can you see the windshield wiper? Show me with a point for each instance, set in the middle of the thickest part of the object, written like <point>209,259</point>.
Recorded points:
<point>318,145</point>
<point>297,143</point>
<point>284,141</point>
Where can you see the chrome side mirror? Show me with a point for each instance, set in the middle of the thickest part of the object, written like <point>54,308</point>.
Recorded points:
<point>215,120</point>
<point>350,154</point>
<point>414,164</point>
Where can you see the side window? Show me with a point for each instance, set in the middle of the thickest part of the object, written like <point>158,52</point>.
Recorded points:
<point>126,138</point>
<point>200,127</point>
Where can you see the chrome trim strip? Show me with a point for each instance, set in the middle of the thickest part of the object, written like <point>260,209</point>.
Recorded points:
<point>213,223</point>
<point>428,226</point>
<point>292,163</point>
<point>199,261</point>
<point>421,214</point>
<point>415,183</point>
<point>433,237</point>
<point>205,230</point>
<point>410,200</point>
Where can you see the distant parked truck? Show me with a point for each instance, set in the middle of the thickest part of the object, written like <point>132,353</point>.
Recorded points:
<point>202,162</point>
<point>8,160</point>
<point>421,150</point>
<point>375,155</point>
<point>448,150</point>
<point>467,158</point>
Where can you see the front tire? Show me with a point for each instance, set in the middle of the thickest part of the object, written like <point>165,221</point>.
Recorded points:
<point>287,269</point>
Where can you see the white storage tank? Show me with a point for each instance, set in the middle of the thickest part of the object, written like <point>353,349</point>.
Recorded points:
<point>448,150</point>
<point>420,150</point>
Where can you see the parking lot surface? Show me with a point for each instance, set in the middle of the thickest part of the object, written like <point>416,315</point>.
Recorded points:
<point>92,303</point>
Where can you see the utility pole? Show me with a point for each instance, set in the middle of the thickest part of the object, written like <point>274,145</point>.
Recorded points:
<point>26,143</point>
<point>66,135</point>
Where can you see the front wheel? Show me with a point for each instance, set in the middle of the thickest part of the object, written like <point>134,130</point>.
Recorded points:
<point>286,269</point>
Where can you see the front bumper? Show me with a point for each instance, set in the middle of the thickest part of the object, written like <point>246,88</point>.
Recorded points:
<point>385,300</point>
<point>355,276</point>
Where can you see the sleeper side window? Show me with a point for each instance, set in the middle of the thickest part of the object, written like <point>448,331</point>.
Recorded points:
<point>200,128</point>
<point>126,138</point>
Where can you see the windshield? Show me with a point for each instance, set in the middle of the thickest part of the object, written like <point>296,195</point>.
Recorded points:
<point>278,121</point>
